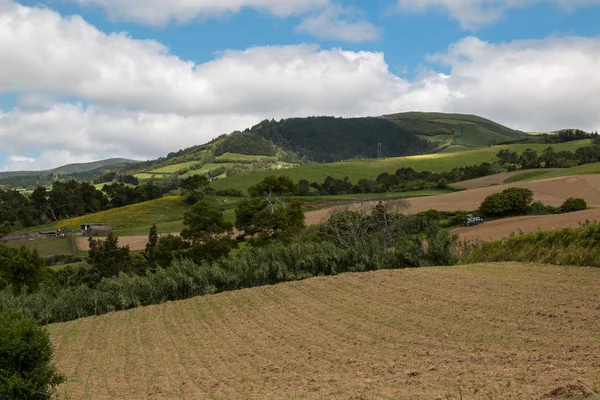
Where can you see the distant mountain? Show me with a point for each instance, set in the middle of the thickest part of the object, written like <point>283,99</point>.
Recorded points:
<point>455,131</point>
<point>73,168</point>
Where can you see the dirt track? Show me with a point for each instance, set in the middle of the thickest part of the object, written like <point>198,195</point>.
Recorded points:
<point>499,229</point>
<point>501,331</point>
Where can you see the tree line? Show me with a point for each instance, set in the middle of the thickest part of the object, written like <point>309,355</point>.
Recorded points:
<point>70,199</point>
<point>407,179</point>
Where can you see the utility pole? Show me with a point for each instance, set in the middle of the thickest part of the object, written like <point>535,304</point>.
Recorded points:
<point>379,153</point>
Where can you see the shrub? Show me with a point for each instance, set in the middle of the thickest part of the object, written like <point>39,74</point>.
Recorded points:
<point>539,208</point>
<point>573,204</point>
<point>511,201</point>
<point>25,356</point>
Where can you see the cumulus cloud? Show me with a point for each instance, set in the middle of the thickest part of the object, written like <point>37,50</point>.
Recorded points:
<point>160,12</point>
<point>139,101</point>
<point>472,14</point>
<point>327,19</point>
<point>336,22</point>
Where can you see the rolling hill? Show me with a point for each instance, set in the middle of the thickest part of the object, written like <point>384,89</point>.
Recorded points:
<point>371,168</point>
<point>455,131</point>
<point>72,168</point>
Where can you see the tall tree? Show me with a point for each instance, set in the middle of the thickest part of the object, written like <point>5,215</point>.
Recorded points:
<point>194,188</point>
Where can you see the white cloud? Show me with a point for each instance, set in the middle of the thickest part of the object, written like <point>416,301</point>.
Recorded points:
<point>322,18</point>
<point>139,101</point>
<point>161,12</point>
<point>473,14</point>
<point>45,52</point>
<point>336,22</point>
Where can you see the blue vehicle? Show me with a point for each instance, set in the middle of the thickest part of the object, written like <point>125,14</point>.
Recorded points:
<point>472,220</point>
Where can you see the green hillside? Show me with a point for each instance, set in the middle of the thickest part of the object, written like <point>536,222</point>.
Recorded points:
<point>329,139</point>
<point>455,131</point>
<point>72,168</point>
<point>586,169</point>
<point>371,168</point>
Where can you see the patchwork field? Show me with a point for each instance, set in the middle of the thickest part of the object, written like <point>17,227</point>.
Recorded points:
<point>549,191</point>
<point>371,168</point>
<point>501,331</point>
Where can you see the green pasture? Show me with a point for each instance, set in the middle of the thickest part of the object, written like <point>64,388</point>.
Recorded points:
<point>371,168</point>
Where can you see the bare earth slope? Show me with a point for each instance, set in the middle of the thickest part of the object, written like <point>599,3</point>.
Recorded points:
<point>502,331</point>
<point>496,179</point>
<point>549,191</point>
<point>494,230</point>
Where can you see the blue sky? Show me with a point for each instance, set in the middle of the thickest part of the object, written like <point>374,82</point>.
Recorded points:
<point>89,79</point>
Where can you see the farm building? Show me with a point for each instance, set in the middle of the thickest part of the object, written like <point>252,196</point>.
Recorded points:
<point>95,229</point>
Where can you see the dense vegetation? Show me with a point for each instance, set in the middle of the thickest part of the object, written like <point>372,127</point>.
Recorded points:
<point>70,199</point>
<point>245,143</point>
<point>329,139</point>
<point>199,261</point>
<point>569,246</point>
<point>26,371</point>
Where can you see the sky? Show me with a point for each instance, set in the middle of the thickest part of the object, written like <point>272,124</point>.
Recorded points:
<point>83,80</point>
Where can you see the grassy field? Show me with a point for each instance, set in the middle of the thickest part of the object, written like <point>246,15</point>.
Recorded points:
<point>144,176</point>
<point>206,169</point>
<point>45,247</point>
<point>234,157</point>
<point>586,169</point>
<point>158,211</point>
<point>172,169</point>
<point>385,334</point>
<point>371,168</point>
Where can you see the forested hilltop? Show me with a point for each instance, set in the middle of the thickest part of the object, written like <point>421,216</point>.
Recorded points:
<point>329,139</point>
<point>276,145</point>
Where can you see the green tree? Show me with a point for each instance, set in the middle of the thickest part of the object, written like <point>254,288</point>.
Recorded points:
<point>21,268</point>
<point>168,248</point>
<point>274,186</point>
<point>529,159</point>
<point>270,216</point>
<point>151,246</point>
<point>26,371</point>
<point>511,201</point>
<point>203,223</point>
<point>107,258</point>
<point>5,228</point>
<point>194,188</point>
<point>204,228</point>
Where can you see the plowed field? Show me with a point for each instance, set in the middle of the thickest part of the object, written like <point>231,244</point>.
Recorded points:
<point>494,230</point>
<point>501,331</point>
<point>549,191</point>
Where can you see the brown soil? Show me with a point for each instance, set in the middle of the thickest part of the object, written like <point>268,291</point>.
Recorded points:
<point>494,230</point>
<point>497,179</point>
<point>501,331</point>
<point>549,191</point>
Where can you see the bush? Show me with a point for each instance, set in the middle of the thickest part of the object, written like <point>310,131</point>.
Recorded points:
<point>25,355</point>
<point>573,204</point>
<point>580,246</point>
<point>511,201</point>
<point>539,208</point>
